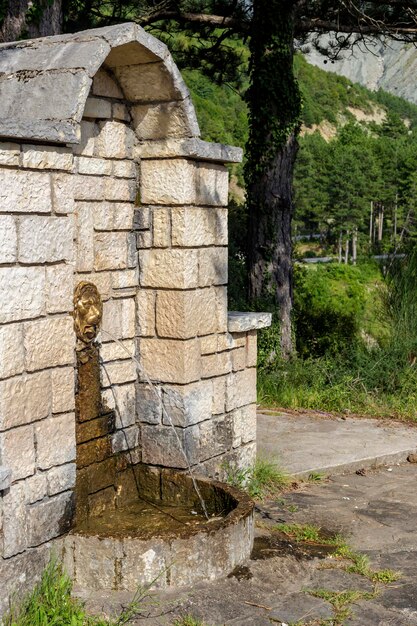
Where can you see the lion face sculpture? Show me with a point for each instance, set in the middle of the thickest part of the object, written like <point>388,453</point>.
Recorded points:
<point>88,311</point>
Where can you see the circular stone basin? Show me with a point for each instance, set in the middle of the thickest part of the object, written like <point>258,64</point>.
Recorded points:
<point>161,538</point>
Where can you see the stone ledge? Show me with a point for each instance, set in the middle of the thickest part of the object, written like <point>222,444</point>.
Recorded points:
<point>239,322</point>
<point>191,148</point>
<point>5,477</point>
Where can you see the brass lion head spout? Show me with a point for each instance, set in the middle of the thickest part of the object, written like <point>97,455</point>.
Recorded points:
<point>88,311</point>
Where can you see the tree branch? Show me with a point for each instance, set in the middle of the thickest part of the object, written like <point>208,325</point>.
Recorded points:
<point>217,21</point>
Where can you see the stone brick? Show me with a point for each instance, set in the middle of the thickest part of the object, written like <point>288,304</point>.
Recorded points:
<point>159,121</point>
<point>95,560</point>
<point>185,314</point>
<point>119,318</point>
<point>11,350</point>
<point>25,192</point>
<point>161,228</point>
<point>46,239</point>
<point>49,342</point>
<point>24,399</point>
<point>17,451</point>
<point>212,184</point>
<point>218,395</point>
<point>225,340</point>
<point>251,348</point>
<point>170,361</point>
<point>124,169</point>
<point>89,134</point>
<point>148,403</point>
<point>95,428</point>
<point>168,181</point>
<point>85,236</point>
<point>9,153</point>
<point>154,82</point>
<point>212,266</point>
<point>47,157</point>
<point>59,288</point>
<point>145,322</point>
<point>20,574</point>
<point>241,389</point>
<point>124,398</point>
<point>104,85</point>
<point>174,269</point>
<point>238,359</point>
<point>142,218</point>
<point>102,280</point>
<point>215,437</point>
<point>35,488</point>
<point>208,344</point>
<point>115,140</point>
<point>244,425</point>
<point>63,389</point>
<point>50,518</point>
<point>14,521</point>
<point>94,167</point>
<point>23,290</point>
<point>124,279</point>
<point>120,112</point>
<point>125,439</point>
<point>61,478</point>
<point>8,238</point>
<point>93,452</point>
<point>88,187</point>
<point>187,404</point>
<point>216,364</point>
<point>144,239</point>
<point>112,351</point>
<point>161,446</point>
<point>55,440</point>
<point>120,189</point>
<point>119,372</point>
<point>194,226</point>
<point>113,216</point>
<point>63,193</point>
<point>110,251</point>
<point>98,108</point>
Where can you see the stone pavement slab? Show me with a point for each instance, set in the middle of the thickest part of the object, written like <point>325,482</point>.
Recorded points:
<point>307,443</point>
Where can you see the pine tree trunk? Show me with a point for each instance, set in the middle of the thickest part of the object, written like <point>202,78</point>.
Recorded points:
<point>370,221</point>
<point>17,24</point>
<point>347,248</point>
<point>354,245</point>
<point>340,247</point>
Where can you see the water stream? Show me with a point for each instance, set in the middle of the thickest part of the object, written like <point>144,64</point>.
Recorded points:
<point>144,376</point>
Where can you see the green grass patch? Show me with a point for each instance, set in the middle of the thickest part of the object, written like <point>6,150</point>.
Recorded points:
<point>263,480</point>
<point>188,620</point>
<point>342,600</point>
<point>308,533</point>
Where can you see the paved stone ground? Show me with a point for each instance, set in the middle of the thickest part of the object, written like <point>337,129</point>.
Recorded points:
<point>375,510</point>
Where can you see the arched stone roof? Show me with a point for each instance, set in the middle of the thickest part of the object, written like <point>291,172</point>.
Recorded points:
<point>44,83</point>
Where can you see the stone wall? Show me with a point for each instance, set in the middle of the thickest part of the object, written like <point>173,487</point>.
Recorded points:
<point>138,207</point>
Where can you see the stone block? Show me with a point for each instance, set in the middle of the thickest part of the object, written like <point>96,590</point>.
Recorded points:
<point>17,451</point>
<point>124,169</point>
<point>9,153</point>
<point>166,119</point>
<point>50,518</point>
<point>61,478</point>
<point>120,112</point>
<point>238,359</point>
<point>89,134</point>
<point>63,193</point>
<point>187,404</point>
<point>94,167</point>
<point>168,181</point>
<point>14,521</point>
<point>212,185</point>
<point>8,238</point>
<point>11,350</point>
<point>208,344</point>
<point>85,236</point>
<point>212,266</point>
<point>49,342</point>
<point>97,108</point>
<point>46,239</point>
<point>63,389</point>
<point>154,82</point>
<point>215,437</point>
<point>102,280</point>
<point>119,372</point>
<point>47,157</point>
<point>216,364</point>
<point>105,85</point>
<point>120,189</point>
<point>35,488</point>
<point>218,395</point>
<point>20,574</point>
<point>110,251</point>
<point>145,309</point>
<point>124,279</point>
<point>148,403</point>
<point>195,226</point>
<point>125,439</point>
<point>95,428</point>
<point>124,398</point>
<point>161,228</point>
<point>173,269</point>
<point>23,290</point>
<point>24,399</point>
<point>88,187</point>
<point>144,561</point>
<point>59,288</point>
<point>113,216</point>
<point>55,440</point>
<point>95,561</point>
<point>115,140</point>
<point>244,425</point>
<point>185,314</point>
<point>25,192</point>
<point>251,349</point>
<point>161,445</point>
<point>5,477</point>
<point>144,239</point>
<point>101,501</point>
<point>119,318</point>
<point>170,361</point>
<point>112,351</point>
<point>241,389</point>
<point>142,219</point>
<point>93,452</point>
<point>225,340</point>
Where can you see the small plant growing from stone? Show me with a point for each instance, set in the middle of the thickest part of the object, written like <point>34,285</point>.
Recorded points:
<point>263,480</point>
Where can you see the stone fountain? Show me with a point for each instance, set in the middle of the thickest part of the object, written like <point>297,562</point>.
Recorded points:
<point>104,181</point>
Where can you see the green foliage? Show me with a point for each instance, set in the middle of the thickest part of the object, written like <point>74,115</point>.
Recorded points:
<point>263,480</point>
<point>188,620</point>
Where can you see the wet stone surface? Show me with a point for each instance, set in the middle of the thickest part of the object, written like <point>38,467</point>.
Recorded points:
<point>273,586</point>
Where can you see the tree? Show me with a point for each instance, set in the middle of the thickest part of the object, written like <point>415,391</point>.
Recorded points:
<point>271,27</point>
<point>24,18</point>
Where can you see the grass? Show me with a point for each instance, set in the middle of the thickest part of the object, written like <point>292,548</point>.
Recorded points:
<point>263,480</point>
<point>342,600</point>
<point>188,620</point>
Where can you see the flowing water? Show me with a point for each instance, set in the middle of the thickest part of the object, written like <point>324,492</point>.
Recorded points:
<point>158,398</point>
